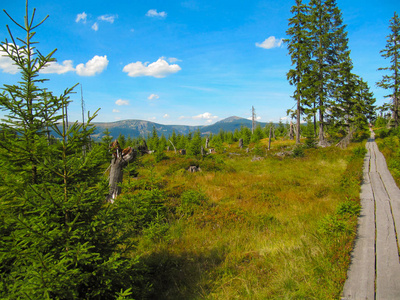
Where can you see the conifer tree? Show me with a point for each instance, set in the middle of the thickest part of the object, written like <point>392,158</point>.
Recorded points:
<point>330,53</point>
<point>59,239</point>
<point>391,81</point>
<point>300,52</point>
<point>195,144</point>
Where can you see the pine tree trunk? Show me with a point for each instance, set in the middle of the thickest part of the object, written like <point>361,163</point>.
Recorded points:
<point>298,123</point>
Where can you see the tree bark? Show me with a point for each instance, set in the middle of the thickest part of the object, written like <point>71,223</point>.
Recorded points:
<point>118,163</point>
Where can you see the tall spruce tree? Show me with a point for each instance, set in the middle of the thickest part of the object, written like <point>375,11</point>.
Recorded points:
<point>318,46</point>
<point>300,52</point>
<point>391,81</point>
<point>330,53</point>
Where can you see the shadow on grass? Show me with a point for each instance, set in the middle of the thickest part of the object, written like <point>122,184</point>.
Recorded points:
<point>181,276</point>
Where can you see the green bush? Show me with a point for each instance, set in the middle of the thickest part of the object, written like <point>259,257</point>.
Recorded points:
<point>351,208</point>
<point>192,200</point>
<point>359,151</point>
<point>298,151</point>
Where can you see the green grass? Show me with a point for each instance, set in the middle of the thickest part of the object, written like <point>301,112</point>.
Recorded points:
<point>389,146</point>
<point>278,228</point>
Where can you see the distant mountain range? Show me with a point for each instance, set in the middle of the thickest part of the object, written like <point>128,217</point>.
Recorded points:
<point>137,128</point>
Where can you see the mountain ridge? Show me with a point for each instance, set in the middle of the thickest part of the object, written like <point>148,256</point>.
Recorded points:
<point>136,128</point>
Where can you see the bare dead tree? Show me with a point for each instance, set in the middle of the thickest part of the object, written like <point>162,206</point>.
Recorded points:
<point>120,160</point>
<point>269,140</point>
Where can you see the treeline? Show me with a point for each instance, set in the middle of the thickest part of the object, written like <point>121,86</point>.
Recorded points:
<point>193,142</point>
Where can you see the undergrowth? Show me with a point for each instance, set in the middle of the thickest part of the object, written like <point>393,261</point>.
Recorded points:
<point>388,142</point>
<point>275,228</point>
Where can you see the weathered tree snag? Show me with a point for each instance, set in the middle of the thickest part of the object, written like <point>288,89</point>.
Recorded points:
<point>172,145</point>
<point>291,136</point>
<point>241,143</point>
<point>207,141</point>
<point>269,139</point>
<point>346,140</point>
<point>119,161</point>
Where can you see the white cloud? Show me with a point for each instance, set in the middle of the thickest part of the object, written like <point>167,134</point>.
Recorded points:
<point>7,64</point>
<point>95,26</point>
<point>94,66</point>
<point>81,17</point>
<point>166,116</point>
<point>57,68</point>
<point>154,13</point>
<point>270,43</point>
<point>120,102</point>
<point>257,118</point>
<point>206,116</point>
<point>108,18</point>
<point>115,110</point>
<point>173,60</point>
<point>158,69</point>
<point>153,96</point>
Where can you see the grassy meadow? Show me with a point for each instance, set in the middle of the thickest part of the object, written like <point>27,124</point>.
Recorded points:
<point>244,228</point>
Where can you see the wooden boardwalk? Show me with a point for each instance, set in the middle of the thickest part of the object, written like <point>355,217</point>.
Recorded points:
<point>374,271</point>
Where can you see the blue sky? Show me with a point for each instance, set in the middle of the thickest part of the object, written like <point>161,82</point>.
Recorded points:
<point>190,62</point>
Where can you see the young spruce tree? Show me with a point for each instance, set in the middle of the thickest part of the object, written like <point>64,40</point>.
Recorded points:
<point>59,238</point>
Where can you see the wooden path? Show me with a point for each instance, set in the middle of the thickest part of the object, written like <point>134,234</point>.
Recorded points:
<point>374,271</point>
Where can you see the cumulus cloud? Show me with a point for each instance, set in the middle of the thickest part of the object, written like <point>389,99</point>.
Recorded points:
<point>206,116</point>
<point>257,118</point>
<point>153,13</point>
<point>81,17</point>
<point>115,110</point>
<point>158,69</point>
<point>270,43</point>
<point>108,18</point>
<point>94,66</point>
<point>95,26</point>
<point>57,68</point>
<point>166,116</point>
<point>153,96</point>
<point>121,102</point>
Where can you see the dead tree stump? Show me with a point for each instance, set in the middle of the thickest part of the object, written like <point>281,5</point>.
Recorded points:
<point>194,169</point>
<point>291,135</point>
<point>269,139</point>
<point>119,161</point>
<point>241,143</point>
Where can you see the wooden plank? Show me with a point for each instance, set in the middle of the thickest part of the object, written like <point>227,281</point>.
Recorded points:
<point>361,273</point>
<point>387,256</point>
<point>360,283</point>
